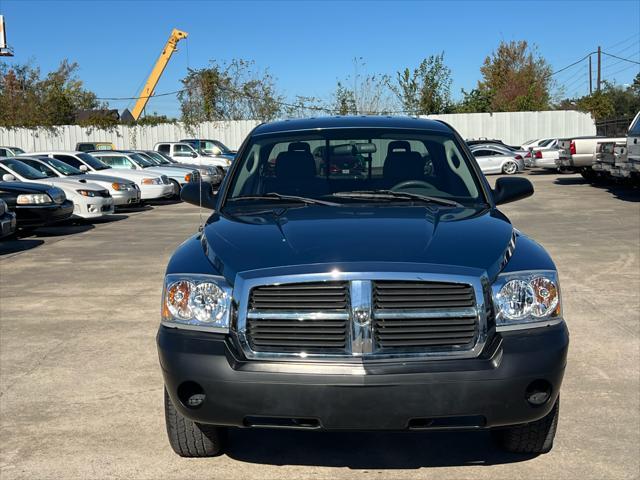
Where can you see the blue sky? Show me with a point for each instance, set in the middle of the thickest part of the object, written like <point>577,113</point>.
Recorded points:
<point>307,46</point>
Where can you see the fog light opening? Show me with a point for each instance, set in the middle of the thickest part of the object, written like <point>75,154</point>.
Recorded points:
<point>191,394</point>
<point>538,392</point>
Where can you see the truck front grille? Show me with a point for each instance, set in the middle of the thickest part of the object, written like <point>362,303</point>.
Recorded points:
<point>363,318</point>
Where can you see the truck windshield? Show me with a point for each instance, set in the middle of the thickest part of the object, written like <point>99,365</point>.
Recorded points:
<point>330,164</point>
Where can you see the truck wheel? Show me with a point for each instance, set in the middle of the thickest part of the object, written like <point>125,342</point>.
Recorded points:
<point>509,168</point>
<point>534,437</point>
<point>191,439</point>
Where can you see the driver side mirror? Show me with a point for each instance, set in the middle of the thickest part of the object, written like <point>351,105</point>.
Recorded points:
<point>200,194</point>
<point>7,177</point>
<point>83,168</point>
<point>510,189</point>
<point>194,154</point>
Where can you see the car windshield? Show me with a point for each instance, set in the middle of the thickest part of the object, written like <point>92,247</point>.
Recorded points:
<point>18,151</point>
<point>92,161</point>
<point>140,160</point>
<point>150,159</point>
<point>63,168</point>
<point>207,146</point>
<point>159,158</point>
<point>355,165</point>
<point>23,169</point>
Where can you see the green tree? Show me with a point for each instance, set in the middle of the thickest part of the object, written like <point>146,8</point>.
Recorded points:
<point>27,100</point>
<point>229,91</point>
<point>474,101</point>
<point>425,89</point>
<point>516,78</point>
<point>363,93</point>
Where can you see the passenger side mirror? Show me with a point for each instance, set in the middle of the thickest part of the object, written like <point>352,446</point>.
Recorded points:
<point>7,177</point>
<point>510,189</point>
<point>83,168</point>
<point>194,154</point>
<point>191,193</point>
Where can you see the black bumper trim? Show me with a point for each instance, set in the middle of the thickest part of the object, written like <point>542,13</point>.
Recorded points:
<point>388,397</point>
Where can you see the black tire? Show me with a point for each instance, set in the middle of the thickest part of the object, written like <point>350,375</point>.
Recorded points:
<point>191,439</point>
<point>533,438</point>
<point>176,188</point>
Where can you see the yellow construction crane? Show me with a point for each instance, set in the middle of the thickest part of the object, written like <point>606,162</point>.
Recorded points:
<point>156,73</point>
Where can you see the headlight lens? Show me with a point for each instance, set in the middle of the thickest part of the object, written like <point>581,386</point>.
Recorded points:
<point>119,187</point>
<point>151,181</point>
<point>522,298</point>
<point>200,301</point>
<point>33,199</point>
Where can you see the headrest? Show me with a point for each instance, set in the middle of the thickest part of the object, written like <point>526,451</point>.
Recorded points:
<point>295,165</point>
<point>299,147</point>
<point>398,145</point>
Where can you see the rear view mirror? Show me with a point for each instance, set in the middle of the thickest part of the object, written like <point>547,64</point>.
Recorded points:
<point>510,189</point>
<point>199,194</point>
<point>7,177</point>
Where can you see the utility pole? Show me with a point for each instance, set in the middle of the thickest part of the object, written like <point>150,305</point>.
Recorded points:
<point>599,65</point>
<point>590,77</point>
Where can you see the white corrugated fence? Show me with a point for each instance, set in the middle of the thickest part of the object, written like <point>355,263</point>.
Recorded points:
<point>65,137</point>
<point>513,128</point>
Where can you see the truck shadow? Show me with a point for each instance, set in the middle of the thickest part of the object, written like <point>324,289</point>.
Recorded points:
<point>620,190</point>
<point>362,450</point>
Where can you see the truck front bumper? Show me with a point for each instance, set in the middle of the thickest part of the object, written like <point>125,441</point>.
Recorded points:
<point>488,391</point>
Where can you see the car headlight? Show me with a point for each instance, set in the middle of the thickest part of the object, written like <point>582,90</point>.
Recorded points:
<point>152,181</point>
<point>87,193</point>
<point>33,199</point>
<point>120,187</point>
<point>201,302</point>
<point>527,298</point>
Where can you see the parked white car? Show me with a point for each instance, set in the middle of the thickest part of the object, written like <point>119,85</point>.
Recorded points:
<point>492,159</point>
<point>124,192</point>
<point>89,200</point>
<point>152,186</point>
<point>185,153</point>
<point>127,160</point>
<point>10,151</point>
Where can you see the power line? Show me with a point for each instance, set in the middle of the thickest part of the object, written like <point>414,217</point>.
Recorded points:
<point>621,58</point>
<point>637,34</point>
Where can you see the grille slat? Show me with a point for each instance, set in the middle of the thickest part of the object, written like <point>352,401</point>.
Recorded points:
<point>452,331</point>
<point>304,332</point>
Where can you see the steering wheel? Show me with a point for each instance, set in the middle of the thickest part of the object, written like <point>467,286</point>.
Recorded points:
<point>411,183</point>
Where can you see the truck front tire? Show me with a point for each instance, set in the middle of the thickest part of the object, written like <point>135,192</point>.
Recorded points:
<point>532,438</point>
<point>191,439</point>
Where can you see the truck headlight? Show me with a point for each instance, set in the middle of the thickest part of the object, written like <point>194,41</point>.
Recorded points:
<point>200,302</point>
<point>527,298</point>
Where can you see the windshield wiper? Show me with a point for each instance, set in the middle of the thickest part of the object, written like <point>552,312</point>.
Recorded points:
<point>285,198</point>
<point>391,195</point>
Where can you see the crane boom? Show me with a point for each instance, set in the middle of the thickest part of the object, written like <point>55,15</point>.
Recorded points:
<point>156,73</point>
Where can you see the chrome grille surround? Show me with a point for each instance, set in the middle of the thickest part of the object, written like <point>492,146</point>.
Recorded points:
<point>361,317</point>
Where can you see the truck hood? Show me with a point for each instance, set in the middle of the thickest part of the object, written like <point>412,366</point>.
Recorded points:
<point>467,237</point>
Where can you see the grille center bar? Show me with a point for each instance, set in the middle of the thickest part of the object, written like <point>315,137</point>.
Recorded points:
<point>361,335</point>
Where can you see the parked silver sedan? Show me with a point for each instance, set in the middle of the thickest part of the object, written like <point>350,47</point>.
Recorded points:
<point>493,159</point>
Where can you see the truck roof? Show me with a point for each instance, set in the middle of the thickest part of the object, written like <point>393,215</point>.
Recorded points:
<point>362,121</point>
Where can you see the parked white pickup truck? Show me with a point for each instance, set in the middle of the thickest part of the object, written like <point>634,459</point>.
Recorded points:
<point>185,153</point>
<point>621,160</point>
<point>578,154</point>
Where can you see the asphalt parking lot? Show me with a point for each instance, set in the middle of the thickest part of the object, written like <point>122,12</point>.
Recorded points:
<point>81,389</point>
